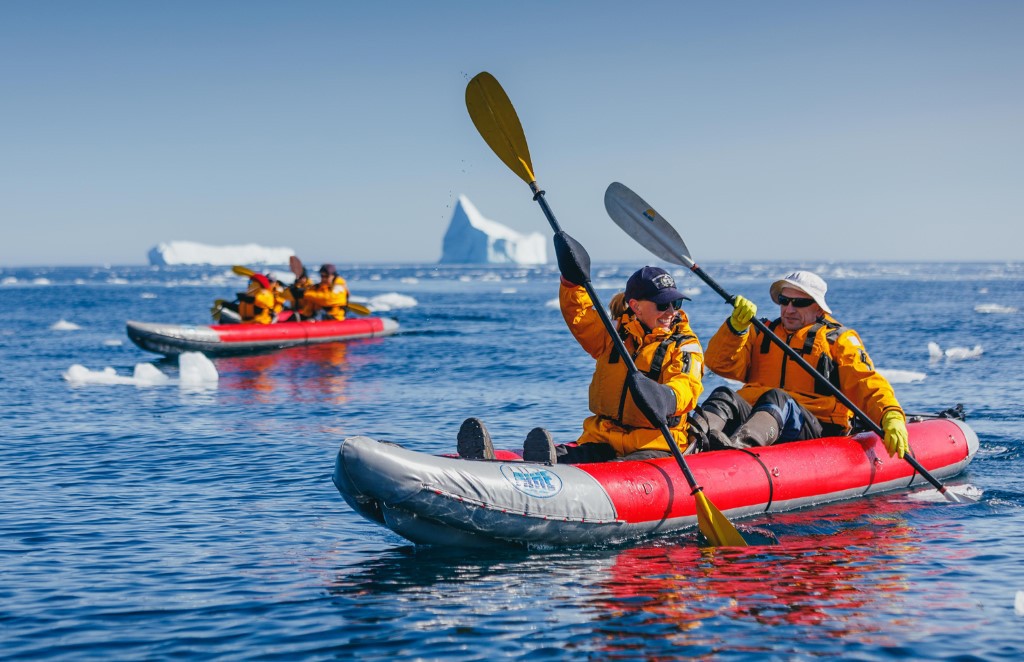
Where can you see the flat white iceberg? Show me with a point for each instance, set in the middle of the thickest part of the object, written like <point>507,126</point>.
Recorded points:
<point>473,239</point>
<point>191,253</point>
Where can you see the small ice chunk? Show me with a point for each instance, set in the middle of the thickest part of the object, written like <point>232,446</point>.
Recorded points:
<point>195,369</point>
<point>147,374</point>
<point>390,301</point>
<point>64,325</point>
<point>963,353</point>
<point>994,309</point>
<point>902,376</point>
<point>1018,604</point>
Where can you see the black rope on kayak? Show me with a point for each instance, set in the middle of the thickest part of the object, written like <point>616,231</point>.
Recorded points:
<point>767,474</point>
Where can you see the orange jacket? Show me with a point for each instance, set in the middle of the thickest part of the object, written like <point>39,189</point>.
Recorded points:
<point>834,350</point>
<point>330,298</point>
<point>617,420</point>
<point>256,305</point>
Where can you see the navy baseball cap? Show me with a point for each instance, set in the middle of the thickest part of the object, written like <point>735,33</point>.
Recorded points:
<point>653,284</point>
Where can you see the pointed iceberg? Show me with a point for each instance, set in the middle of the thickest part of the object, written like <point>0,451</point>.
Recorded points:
<point>189,253</point>
<point>473,239</point>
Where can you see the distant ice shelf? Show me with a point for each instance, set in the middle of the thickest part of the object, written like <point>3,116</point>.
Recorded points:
<point>473,239</point>
<point>192,253</point>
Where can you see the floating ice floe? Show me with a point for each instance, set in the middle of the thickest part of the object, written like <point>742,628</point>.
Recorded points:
<point>902,376</point>
<point>194,370</point>
<point>936,353</point>
<point>147,295</point>
<point>64,325</point>
<point>112,342</point>
<point>1018,603</point>
<point>994,309</point>
<point>390,301</point>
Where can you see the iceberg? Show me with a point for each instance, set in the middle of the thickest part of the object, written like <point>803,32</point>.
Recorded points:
<point>473,239</point>
<point>191,253</point>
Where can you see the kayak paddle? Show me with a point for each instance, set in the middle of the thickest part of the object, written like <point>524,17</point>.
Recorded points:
<point>242,271</point>
<point>650,229</point>
<point>496,120</point>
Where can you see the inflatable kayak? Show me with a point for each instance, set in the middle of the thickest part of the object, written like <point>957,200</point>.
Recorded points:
<point>172,339</point>
<point>444,500</point>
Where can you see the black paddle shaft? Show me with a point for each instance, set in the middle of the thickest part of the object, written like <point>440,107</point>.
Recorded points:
<point>839,395</point>
<point>631,368</point>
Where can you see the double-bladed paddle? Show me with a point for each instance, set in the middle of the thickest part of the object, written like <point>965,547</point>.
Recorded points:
<point>650,229</point>
<point>496,120</point>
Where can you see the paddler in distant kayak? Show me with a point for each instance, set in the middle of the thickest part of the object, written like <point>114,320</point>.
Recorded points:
<point>294,297</point>
<point>256,304</point>
<point>780,402</point>
<point>666,351</point>
<point>328,298</point>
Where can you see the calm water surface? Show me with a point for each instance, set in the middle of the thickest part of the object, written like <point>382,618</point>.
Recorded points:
<point>166,521</point>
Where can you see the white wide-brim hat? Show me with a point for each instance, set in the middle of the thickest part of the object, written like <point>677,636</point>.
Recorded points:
<point>805,281</point>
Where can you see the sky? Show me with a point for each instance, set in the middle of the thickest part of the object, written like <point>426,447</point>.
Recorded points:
<point>788,130</point>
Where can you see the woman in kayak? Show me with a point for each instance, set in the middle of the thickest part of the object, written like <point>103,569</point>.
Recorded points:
<point>667,354</point>
<point>256,304</point>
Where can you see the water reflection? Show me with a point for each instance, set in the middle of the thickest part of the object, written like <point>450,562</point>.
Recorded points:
<point>311,373</point>
<point>838,572</point>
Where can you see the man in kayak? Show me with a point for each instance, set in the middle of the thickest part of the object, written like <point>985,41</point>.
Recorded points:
<point>780,401</point>
<point>329,297</point>
<point>656,332</point>
<point>256,304</point>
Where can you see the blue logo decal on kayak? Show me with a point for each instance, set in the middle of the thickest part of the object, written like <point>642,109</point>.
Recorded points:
<point>532,480</point>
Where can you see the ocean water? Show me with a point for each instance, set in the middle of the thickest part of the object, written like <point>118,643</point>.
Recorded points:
<point>198,519</point>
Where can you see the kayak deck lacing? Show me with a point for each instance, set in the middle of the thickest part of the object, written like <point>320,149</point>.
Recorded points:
<point>522,513</point>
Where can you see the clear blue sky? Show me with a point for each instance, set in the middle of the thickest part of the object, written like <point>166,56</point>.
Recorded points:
<point>791,130</point>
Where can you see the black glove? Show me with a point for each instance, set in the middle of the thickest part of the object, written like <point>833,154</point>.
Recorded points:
<point>656,401</point>
<point>573,261</point>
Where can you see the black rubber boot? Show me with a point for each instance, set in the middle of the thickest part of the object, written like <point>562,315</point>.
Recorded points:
<point>704,431</point>
<point>761,429</point>
<point>539,447</point>
<point>474,442</point>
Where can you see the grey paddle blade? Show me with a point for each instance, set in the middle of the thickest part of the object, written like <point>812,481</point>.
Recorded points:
<point>649,228</point>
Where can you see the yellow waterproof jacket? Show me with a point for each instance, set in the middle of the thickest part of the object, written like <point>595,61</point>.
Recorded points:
<point>834,350</point>
<point>330,298</point>
<point>617,420</point>
<point>256,305</point>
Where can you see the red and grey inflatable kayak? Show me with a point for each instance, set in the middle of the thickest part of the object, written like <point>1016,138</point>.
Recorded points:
<point>442,500</point>
<point>172,339</point>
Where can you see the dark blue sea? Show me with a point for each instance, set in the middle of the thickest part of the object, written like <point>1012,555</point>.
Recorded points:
<point>198,521</point>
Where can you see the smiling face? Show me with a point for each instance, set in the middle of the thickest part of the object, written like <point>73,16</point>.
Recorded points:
<point>647,312</point>
<point>795,315</point>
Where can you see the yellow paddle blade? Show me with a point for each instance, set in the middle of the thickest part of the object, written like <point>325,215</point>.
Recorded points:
<point>496,120</point>
<point>716,528</point>
<point>242,271</point>
<point>358,308</point>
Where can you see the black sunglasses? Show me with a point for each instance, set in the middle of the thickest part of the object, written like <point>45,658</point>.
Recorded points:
<point>798,302</point>
<point>676,305</point>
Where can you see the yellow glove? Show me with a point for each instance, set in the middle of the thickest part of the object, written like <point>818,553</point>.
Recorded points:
<point>743,310</point>
<point>895,430</point>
